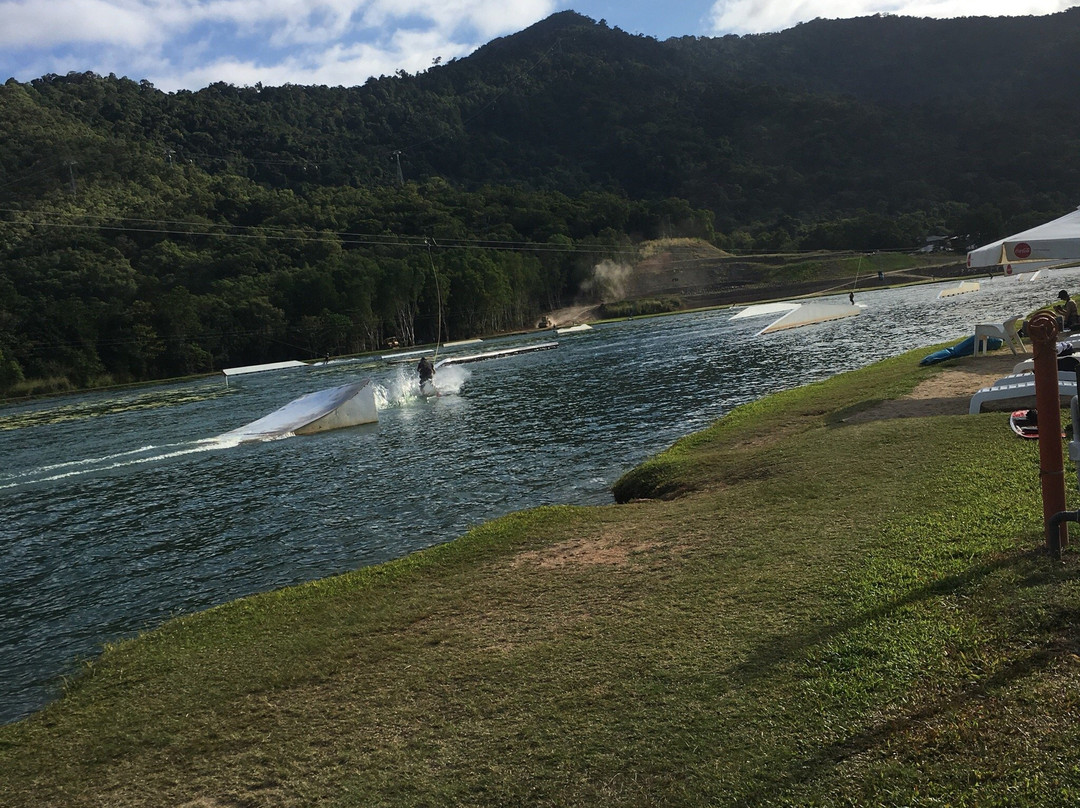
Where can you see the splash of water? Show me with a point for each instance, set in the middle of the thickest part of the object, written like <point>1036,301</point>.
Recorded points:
<point>404,388</point>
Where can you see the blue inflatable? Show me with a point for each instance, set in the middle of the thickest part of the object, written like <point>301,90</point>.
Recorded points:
<point>965,348</point>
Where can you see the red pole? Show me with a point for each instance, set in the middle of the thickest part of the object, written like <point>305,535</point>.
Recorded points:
<point>1042,329</point>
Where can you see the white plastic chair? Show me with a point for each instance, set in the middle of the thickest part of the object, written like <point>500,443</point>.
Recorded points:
<point>1024,388</point>
<point>1006,332</point>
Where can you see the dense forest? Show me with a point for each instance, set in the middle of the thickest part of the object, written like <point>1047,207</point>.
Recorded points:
<point>146,234</point>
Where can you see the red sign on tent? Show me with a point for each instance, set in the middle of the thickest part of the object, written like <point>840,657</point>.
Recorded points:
<point>1022,250</point>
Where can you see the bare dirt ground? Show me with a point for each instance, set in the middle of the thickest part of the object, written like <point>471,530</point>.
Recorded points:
<point>695,274</point>
<point>573,315</point>
<point>950,391</point>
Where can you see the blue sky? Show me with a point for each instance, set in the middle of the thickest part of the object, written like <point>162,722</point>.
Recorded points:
<point>187,44</point>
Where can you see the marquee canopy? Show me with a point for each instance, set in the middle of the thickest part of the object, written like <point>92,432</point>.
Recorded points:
<point>1056,241</point>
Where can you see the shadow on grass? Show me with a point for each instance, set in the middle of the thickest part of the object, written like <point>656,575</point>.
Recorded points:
<point>816,766</point>
<point>1060,629</point>
<point>788,647</point>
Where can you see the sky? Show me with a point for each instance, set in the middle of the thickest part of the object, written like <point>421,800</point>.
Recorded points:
<point>188,44</point>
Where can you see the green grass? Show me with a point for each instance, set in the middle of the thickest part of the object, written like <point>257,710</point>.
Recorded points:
<point>787,610</point>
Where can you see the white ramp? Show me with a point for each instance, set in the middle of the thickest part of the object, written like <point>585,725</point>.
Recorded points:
<point>338,407</point>
<point>292,363</point>
<point>811,314</point>
<point>460,360</point>
<point>964,288</point>
<point>762,309</point>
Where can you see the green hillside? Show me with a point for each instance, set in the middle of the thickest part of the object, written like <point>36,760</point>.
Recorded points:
<point>146,234</point>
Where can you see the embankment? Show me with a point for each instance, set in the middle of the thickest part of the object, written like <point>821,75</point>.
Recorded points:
<point>805,604</point>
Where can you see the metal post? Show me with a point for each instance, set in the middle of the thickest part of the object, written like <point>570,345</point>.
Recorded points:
<point>400,177</point>
<point>1042,330</point>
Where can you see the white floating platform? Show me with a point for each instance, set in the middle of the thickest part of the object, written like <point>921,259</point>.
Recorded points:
<point>336,408</point>
<point>405,356</point>
<point>461,342</point>
<point>964,288</point>
<point>460,360</point>
<point>762,309</point>
<point>811,314</point>
<point>260,368</point>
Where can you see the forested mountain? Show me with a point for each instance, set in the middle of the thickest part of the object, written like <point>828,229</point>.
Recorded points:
<point>145,233</point>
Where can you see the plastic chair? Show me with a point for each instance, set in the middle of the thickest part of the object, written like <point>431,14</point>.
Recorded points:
<point>1008,390</point>
<point>1006,332</point>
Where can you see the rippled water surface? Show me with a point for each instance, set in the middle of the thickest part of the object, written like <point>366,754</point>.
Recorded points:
<point>120,510</point>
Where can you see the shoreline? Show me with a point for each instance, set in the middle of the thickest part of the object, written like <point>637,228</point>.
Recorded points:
<point>514,607</point>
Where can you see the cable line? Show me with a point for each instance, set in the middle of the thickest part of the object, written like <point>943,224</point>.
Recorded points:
<point>277,233</point>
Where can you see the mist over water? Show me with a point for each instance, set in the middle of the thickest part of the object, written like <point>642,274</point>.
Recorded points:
<point>122,509</point>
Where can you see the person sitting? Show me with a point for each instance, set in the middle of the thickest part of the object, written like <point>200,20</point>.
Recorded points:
<point>1067,311</point>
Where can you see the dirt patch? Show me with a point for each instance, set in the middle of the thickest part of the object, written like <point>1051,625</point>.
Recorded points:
<point>591,551</point>
<point>948,392</point>
<point>573,315</point>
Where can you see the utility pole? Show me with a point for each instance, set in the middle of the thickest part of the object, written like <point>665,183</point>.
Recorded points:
<point>400,178</point>
<point>71,176</point>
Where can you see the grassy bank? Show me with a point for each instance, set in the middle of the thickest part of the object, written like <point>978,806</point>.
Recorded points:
<point>788,609</point>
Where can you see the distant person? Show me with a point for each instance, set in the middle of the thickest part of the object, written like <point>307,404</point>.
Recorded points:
<point>851,297</point>
<point>425,370</point>
<point>1067,311</point>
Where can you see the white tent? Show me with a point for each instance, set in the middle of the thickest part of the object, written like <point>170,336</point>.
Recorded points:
<point>1054,242</point>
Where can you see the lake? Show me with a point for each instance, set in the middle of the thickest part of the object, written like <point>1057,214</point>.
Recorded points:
<point>121,509</point>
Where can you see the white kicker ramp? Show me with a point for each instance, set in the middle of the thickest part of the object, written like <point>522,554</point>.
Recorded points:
<point>336,408</point>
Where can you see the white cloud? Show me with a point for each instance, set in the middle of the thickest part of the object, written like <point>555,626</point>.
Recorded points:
<point>338,64</point>
<point>30,24</point>
<point>487,17</point>
<point>190,43</point>
<point>760,16</point>
<point>329,38</point>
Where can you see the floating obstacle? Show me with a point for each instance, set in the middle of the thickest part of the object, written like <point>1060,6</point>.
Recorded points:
<point>480,357</point>
<point>460,342</point>
<point>796,315</point>
<point>406,356</point>
<point>336,408</point>
<point>292,363</point>
<point>811,314</point>
<point>964,288</point>
<point>762,309</point>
